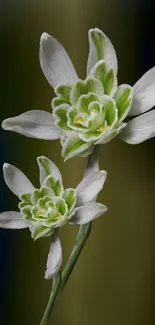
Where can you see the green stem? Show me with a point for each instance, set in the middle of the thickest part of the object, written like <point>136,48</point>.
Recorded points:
<point>55,288</point>
<point>59,282</point>
<point>82,237</point>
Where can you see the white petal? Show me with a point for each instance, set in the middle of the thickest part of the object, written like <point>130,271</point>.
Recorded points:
<point>12,220</point>
<point>47,167</point>
<point>54,260</point>
<point>90,186</point>
<point>144,93</point>
<point>87,213</point>
<point>55,62</point>
<point>17,182</point>
<point>33,124</point>
<point>139,129</point>
<point>109,54</point>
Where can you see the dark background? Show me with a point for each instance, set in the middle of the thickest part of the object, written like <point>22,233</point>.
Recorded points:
<point>113,282</point>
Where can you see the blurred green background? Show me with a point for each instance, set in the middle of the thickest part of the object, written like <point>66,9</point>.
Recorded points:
<point>113,282</point>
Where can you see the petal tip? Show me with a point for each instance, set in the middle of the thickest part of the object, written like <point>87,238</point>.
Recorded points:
<point>4,125</point>
<point>44,37</point>
<point>105,173</point>
<point>5,165</point>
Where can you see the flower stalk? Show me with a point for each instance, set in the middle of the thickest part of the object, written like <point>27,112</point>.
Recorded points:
<point>55,288</point>
<point>59,281</point>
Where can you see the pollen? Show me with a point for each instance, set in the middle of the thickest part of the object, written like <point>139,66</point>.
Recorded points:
<point>102,128</point>
<point>40,214</point>
<point>56,218</point>
<point>79,121</point>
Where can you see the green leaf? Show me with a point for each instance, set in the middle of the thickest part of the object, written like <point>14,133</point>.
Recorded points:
<point>70,198</point>
<point>63,91</point>
<point>123,98</point>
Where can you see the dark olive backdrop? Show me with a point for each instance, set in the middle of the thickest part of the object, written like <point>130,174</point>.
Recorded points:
<point>113,282</point>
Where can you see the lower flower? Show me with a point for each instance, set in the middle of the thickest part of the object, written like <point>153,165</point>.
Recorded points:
<point>51,206</point>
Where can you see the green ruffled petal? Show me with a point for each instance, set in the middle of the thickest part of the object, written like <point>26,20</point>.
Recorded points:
<point>88,151</point>
<point>90,136</point>
<point>111,112</point>
<point>110,82</point>
<point>85,100</point>
<point>99,71</point>
<point>26,212</point>
<point>123,98</point>
<point>76,121</point>
<point>74,146</point>
<point>59,101</point>
<point>63,91</point>
<point>26,197</point>
<point>62,207</point>
<point>61,118</point>
<point>89,85</point>
<point>41,204</point>
<point>97,117</point>
<point>55,185</point>
<point>44,191</point>
<point>70,198</point>
<point>39,230</point>
<point>111,134</point>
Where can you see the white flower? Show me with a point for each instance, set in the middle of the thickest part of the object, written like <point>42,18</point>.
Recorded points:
<point>46,209</point>
<point>93,111</point>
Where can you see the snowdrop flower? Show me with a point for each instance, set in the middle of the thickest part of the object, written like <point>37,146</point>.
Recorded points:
<point>90,112</point>
<point>46,209</point>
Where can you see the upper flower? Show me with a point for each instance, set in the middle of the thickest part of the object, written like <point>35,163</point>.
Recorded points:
<point>89,112</point>
<point>46,209</point>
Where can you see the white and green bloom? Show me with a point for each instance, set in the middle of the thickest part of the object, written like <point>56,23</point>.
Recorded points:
<point>51,206</point>
<point>91,111</point>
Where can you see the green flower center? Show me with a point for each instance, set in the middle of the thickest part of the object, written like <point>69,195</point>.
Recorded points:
<point>93,104</point>
<point>48,207</point>
<point>94,108</point>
